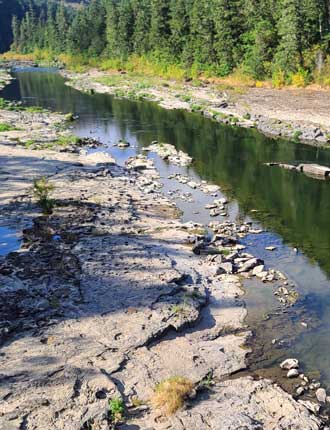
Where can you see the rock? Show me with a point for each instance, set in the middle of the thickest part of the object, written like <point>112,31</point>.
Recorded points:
<point>227,267</point>
<point>289,363</point>
<point>292,373</point>
<point>300,391</point>
<point>250,264</point>
<point>220,202</point>
<point>270,248</point>
<point>321,395</point>
<point>311,406</point>
<point>123,144</point>
<point>262,275</point>
<point>214,212</point>
<point>258,269</point>
<point>314,386</point>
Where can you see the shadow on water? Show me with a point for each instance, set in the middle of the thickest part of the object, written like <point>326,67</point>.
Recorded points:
<point>295,208</point>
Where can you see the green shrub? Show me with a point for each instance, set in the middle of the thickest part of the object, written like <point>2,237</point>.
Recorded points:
<point>116,409</point>
<point>41,191</point>
<point>278,79</point>
<point>6,127</point>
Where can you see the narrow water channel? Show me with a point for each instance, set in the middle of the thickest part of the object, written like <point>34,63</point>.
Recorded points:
<point>292,208</point>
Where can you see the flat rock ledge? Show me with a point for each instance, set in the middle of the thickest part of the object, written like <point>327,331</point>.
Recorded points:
<point>105,299</point>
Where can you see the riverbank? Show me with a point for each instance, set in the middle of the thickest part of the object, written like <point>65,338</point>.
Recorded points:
<point>112,294</point>
<point>297,114</point>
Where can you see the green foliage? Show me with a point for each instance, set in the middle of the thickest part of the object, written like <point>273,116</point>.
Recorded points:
<point>116,409</point>
<point>65,141</point>
<point>180,39</point>
<point>6,127</point>
<point>42,189</point>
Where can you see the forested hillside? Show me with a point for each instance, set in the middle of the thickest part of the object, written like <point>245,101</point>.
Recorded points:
<point>17,8</point>
<point>263,38</point>
<point>8,8</point>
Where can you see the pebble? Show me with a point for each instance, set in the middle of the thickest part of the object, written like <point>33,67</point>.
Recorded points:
<point>300,391</point>
<point>292,373</point>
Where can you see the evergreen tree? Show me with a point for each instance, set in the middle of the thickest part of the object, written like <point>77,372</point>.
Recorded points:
<point>159,25</point>
<point>112,29</point>
<point>179,26</point>
<point>140,37</point>
<point>202,33</point>
<point>290,25</point>
<point>125,28</point>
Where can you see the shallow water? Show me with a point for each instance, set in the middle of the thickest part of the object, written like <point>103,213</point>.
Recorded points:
<point>293,208</point>
<point>9,240</point>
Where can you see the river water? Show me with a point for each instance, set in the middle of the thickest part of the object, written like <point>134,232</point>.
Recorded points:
<point>293,209</point>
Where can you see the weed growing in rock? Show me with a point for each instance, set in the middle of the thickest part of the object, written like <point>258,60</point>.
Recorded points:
<point>207,382</point>
<point>41,191</point>
<point>116,409</point>
<point>169,395</point>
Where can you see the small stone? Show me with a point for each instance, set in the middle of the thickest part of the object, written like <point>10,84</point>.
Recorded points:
<point>292,373</point>
<point>321,395</point>
<point>289,363</point>
<point>300,391</point>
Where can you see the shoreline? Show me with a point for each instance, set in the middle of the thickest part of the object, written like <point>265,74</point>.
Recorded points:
<point>81,322</point>
<point>271,112</point>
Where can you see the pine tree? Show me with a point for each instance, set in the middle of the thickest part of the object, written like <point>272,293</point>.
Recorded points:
<point>159,25</point>
<point>179,26</point>
<point>289,51</point>
<point>125,28</point>
<point>15,30</point>
<point>140,37</point>
<point>202,33</point>
<point>112,29</point>
<point>228,32</point>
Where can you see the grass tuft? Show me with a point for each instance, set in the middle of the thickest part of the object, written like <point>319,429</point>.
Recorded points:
<point>170,395</point>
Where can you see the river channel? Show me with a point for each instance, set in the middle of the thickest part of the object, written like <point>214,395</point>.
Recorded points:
<point>292,209</point>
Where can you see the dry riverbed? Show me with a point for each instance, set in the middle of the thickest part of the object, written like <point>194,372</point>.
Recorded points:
<point>298,115</point>
<point>111,294</point>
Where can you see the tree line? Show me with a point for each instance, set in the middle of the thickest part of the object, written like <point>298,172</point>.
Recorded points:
<point>260,37</point>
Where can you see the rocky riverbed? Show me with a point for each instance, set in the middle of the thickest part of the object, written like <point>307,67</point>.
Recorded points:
<point>289,114</point>
<point>111,294</point>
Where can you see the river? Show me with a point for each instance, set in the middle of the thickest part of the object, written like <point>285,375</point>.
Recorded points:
<point>294,210</point>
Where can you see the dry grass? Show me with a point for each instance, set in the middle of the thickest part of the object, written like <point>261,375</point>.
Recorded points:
<point>170,394</point>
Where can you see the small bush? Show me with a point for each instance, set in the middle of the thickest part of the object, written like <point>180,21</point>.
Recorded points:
<point>116,409</point>
<point>169,395</point>
<point>278,79</point>
<point>41,191</point>
<point>299,79</point>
